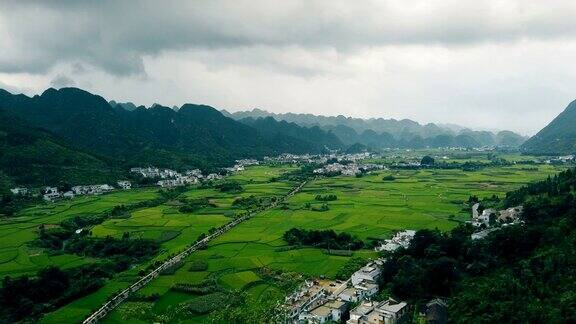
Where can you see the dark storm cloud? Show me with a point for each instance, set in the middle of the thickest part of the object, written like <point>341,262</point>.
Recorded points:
<point>116,35</point>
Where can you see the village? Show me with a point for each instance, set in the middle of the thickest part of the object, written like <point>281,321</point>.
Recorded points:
<point>355,301</point>
<point>166,178</point>
<point>490,220</point>
<point>287,158</point>
<point>347,169</point>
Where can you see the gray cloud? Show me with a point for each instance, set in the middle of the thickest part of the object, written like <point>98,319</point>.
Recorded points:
<point>115,36</point>
<point>477,63</point>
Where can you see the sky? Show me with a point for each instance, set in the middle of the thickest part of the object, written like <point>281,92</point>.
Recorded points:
<point>500,64</point>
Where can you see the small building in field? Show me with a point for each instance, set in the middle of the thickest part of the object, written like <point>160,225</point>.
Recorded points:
<point>19,191</point>
<point>50,193</point>
<point>124,185</point>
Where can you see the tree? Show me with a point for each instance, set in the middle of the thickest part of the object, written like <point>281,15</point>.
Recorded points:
<point>427,160</point>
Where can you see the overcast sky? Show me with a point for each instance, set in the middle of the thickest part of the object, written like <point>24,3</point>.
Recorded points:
<point>500,64</point>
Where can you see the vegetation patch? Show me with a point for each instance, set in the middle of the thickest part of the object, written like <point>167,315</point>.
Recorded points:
<point>326,197</point>
<point>198,265</point>
<point>230,186</point>
<point>328,239</point>
<point>206,303</point>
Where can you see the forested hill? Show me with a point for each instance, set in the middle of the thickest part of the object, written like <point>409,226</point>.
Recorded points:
<point>389,133</point>
<point>558,137</point>
<point>524,273</point>
<point>29,155</point>
<point>314,138</point>
<point>192,136</point>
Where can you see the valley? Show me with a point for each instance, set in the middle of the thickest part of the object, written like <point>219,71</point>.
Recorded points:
<point>251,258</point>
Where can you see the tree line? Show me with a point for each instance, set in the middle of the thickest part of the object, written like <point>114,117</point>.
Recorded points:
<point>328,239</point>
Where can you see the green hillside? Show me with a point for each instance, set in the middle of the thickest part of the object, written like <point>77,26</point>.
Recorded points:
<point>32,156</point>
<point>559,137</point>
<point>192,136</point>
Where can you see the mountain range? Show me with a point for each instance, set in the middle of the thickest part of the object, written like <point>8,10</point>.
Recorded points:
<point>81,137</point>
<point>380,133</point>
<point>87,132</point>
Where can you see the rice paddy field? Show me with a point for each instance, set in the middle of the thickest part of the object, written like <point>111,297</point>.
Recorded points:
<point>17,257</point>
<point>368,207</point>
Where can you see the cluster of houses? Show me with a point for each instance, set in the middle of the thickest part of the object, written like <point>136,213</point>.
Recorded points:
<point>561,159</point>
<point>490,219</point>
<point>321,301</point>
<point>319,158</point>
<point>52,193</point>
<point>400,239</point>
<point>152,172</point>
<point>350,169</point>
<point>296,158</point>
<point>409,164</point>
<point>19,191</point>
<point>170,178</point>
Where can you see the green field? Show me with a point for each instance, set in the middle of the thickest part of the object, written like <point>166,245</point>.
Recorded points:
<point>367,207</point>
<point>17,257</point>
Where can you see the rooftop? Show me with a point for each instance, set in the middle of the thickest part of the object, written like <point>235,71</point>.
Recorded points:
<point>321,311</point>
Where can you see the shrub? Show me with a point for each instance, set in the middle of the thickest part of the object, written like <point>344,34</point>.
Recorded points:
<point>198,265</point>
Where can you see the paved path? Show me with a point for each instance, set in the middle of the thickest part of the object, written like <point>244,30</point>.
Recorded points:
<point>124,294</point>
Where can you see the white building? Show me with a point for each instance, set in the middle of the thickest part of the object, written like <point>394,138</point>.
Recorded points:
<point>213,176</point>
<point>51,193</point>
<point>310,293</point>
<point>92,189</point>
<point>400,239</point>
<point>19,191</point>
<point>370,272</point>
<point>124,184</point>
<point>386,312</point>
<point>329,311</point>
